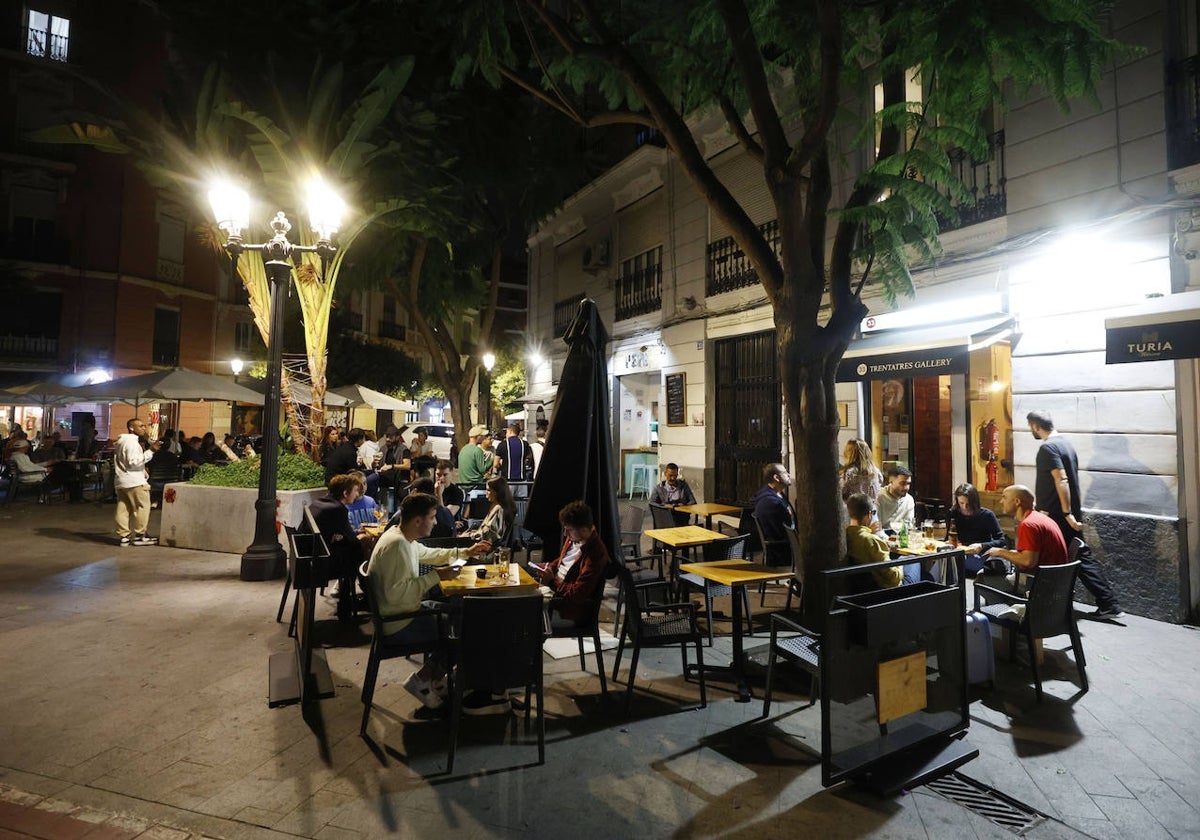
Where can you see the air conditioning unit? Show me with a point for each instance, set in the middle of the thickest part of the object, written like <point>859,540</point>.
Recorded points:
<point>595,255</point>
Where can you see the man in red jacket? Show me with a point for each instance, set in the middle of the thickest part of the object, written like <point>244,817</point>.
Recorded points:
<point>576,574</point>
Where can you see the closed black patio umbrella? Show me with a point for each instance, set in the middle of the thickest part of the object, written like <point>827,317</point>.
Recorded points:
<point>578,459</point>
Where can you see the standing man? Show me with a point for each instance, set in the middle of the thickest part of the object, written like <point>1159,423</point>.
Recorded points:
<point>132,483</point>
<point>1039,541</point>
<point>516,458</point>
<point>774,513</point>
<point>474,462</point>
<point>1057,493</point>
<point>893,503</point>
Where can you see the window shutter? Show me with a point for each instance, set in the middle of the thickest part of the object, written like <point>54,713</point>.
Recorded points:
<point>743,177</point>
<point>640,226</point>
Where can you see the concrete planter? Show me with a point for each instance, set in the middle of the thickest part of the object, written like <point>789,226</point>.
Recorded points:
<point>222,518</point>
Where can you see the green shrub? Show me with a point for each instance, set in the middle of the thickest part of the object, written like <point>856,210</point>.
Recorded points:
<point>296,472</point>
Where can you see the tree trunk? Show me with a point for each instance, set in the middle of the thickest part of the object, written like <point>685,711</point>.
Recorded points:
<point>808,395</point>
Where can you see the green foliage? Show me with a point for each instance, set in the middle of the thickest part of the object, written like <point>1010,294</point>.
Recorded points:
<point>508,378</point>
<point>296,472</point>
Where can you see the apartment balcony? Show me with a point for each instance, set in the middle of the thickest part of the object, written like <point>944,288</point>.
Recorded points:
<point>393,331</point>
<point>26,347</point>
<point>1183,112</point>
<point>986,181</point>
<point>564,313</point>
<point>728,267</point>
<point>639,292</point>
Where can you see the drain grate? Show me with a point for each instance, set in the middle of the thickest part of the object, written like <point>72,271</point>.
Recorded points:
<point>989,803</point>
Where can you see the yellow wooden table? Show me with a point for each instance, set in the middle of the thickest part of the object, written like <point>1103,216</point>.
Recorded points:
<point>683,536</point>
<point>735,574</point>
<point>708,510</point>
<point>469,583</point>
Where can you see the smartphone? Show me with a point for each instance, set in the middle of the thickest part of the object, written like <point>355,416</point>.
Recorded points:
<point>538,566</point>
<point>457,564</point>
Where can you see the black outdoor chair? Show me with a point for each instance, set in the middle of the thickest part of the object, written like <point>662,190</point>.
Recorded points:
<point>802,647</point>
<point>796,581</point>
<point>290,531</point>
<point>500,645</point>
<point>160,476</point>
<point>382,649</point>
<point>92,478</point>
<point>640,565</point>
<point>564,628</point>
<point>773,550</point>
<point>657,625</point>
<point>28,482</point>
<point>731,548</point>
<point>1049,611</point>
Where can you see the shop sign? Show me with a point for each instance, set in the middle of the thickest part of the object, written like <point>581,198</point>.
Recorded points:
<point>912,363</point>
<point>1153,342</point>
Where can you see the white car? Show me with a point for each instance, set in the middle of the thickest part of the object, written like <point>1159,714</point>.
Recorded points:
<point>439,436</point>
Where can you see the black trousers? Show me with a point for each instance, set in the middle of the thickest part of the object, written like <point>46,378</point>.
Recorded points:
<point>1091,574</point>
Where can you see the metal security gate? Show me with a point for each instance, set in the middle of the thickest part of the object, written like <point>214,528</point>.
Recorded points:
<point>748,410</point>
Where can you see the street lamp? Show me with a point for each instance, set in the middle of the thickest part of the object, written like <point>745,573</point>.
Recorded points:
<point>236,366</point>
<point>265,558</point>
<point>485,389</point>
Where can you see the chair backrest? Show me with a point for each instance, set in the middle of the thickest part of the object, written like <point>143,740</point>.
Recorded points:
<point>364,583</point>
<point>662,516</point>
<point>1075,546</point>
<point>797,558</point>
<point>632,518</point>
<point>1049,611</point>
<point>501,641</point>
<point>775,552</point>
<point>730,548</point>
<point>633,603</point>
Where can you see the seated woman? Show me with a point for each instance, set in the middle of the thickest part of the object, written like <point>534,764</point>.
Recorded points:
<point>497,526</point>
<point>977,527</point>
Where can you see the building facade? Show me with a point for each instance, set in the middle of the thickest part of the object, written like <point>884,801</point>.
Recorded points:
<point>1081,219</point>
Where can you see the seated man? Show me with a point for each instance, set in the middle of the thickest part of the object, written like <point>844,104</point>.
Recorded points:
<point>673,491</point>
<point>449,494</point>
<point>775,515</point>
<point>399,586</point>
<point>27,471</point>
<point>444,522</point>
<point>895,505</point>
<point>345,543</point>
<point>576,573</point>
<point>1039,540</point>
<point>864,546</point>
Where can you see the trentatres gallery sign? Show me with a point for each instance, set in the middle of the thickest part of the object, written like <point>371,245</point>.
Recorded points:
<point>911,363</point>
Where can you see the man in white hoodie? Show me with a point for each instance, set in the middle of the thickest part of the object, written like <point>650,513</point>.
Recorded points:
<point>132,484</point>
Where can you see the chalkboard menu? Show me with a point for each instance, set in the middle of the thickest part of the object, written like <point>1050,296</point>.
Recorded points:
<point>676,400</point>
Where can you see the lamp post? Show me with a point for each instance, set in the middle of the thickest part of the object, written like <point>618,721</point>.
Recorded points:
<point>236,366</point>
<point>265,559</point>
<point>485,390</point>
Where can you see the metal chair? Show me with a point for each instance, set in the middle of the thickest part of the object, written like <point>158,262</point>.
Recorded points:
<point>656,626</point>
<point>563,628</point>
<point>500,645</point>
<point>632,519</point>
<point>773,550</point>
<point>1048,611</point>
<point>26,481</point>
<point>803,648</point>
<point>733,548</point>
<point>382,648</point>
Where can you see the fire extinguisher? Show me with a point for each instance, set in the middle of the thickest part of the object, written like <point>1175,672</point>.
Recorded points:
<point>989,451</point>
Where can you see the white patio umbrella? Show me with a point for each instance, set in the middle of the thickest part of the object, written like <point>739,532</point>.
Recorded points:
<point>175,385</point>
<point>362,396</point>
<point>45,393</point>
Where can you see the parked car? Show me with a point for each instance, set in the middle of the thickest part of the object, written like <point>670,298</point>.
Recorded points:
<point>439,435</point>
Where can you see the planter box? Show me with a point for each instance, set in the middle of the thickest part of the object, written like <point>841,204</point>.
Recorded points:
<point>222,518</point>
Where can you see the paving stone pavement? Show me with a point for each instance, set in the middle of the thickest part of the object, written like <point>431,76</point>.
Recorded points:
<point>134,705</point>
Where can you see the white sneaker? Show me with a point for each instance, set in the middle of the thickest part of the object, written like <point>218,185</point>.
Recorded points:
<point>423,690</point>
<point>145,540</point>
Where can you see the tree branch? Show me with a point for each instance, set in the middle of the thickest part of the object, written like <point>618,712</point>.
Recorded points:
<point>739,129</point>
<point>748,56</point>
<point>829,23</point>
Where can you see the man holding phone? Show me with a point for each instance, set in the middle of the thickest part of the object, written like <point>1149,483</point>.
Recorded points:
<point>576,573</point>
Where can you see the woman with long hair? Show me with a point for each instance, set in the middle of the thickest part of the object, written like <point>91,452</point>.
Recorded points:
<point>497,526</point>
<point>976,527</point>
<point>331,436</point>
<point>859,473</point>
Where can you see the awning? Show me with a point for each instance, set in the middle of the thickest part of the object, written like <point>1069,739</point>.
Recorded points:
<point>928,351</point>
<point>544,398</point>
<point>1161,328</point>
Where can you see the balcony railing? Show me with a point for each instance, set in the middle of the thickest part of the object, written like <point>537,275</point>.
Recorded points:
<point>728,268</point>
<point>986,181</point>
<point>639,292</point>
<point>564,313</point>
<point>28,347</point>
<point>394,331</point>
<point>43,44</point>
<point>1183,112</point>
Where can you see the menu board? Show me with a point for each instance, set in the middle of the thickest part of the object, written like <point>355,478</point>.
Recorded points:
<point>676,400</point>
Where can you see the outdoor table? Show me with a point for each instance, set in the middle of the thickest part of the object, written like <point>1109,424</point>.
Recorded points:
<point>682,536</point>
<point>917,548</point>
<point>708,510</point>
<point>469,583</point>
<point>734,574</point>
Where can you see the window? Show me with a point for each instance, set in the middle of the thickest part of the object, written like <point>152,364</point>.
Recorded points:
<point>914,97</point>
<point>171,233</point>
<point>243,335</point>
<point>639,287</point>
<point>48,36</point>
<point>165,350</point>
<point>32,226</point>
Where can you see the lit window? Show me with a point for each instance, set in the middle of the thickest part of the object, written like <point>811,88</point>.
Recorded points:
<point>48,35</point>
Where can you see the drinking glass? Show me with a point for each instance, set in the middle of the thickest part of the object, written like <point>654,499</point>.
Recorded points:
<point>505,560</point>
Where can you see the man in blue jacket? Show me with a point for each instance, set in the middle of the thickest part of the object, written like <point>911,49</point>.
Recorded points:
<point>775,514</point>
